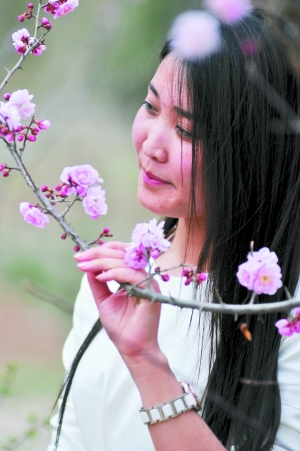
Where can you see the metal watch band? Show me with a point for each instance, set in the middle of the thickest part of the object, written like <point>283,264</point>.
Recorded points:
<point>172,408</point>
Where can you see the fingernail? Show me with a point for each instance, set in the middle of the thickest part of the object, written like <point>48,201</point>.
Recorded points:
<point>82,265</point>
<point>78,255</point>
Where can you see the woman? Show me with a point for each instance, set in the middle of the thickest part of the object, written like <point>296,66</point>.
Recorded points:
<point>216,157</point>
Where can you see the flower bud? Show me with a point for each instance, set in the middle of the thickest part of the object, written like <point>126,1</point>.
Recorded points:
<point>100,242</point>
<point>30,6</point>
<point>44,21</point>
<point>76,248</point>
<point>35,131</point>
<point>165,277</point>
<point>6,173</point>
<point>31,138</point>
<point>64,236</point>
<point>105,231</point>
<point>20,137</point>
<point>2,166</point>
<point>21,18</point>
<point>44,124</point>
<point>6,96</point>
<point>58,187</point>
<point>44,188</point>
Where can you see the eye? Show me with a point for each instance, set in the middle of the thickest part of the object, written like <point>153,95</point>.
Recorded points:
<point>184,133</point>
<point>149,107</point>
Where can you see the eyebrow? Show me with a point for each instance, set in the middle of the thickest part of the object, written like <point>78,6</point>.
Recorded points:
<point>180,111</point>
<point>153,90</point>
<point>184,113</point>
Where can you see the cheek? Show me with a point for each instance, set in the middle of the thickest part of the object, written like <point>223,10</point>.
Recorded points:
<point>138,133</point>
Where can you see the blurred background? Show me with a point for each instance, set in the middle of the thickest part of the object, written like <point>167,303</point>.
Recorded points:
<point>89,83</point>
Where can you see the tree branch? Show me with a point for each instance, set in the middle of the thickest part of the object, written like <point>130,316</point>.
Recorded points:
<point>226,309</point>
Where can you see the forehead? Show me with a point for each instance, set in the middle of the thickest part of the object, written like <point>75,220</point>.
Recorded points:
<point>169,82</point>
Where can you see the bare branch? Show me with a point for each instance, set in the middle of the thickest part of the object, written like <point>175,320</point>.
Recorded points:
<point>50,298</point>
<point>226,309</point>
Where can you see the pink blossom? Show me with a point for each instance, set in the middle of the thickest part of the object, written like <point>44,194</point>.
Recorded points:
<point>289,326</point>
<point>94,203</point>
<point>21,100</point>
<point>135,256</point>
<point>229,11</point>
<point>21,36</point>
<point>150,235</point>
<point>83,176</point>
<point>195,34</point>
<point>39,49</point>
<point>261,273</point>
<point>10,115</point>
<point>66,8</point>
<point>33,215</point>
<point>44,124</point>
<point>147,241</point>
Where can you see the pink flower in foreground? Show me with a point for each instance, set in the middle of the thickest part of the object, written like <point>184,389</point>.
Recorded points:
<point>33,215</point>
<point>195,34</point>
<point>21,100</point>
<point>65,8</point>
<point>135,256</point>
<point>147,241</point>
<point>9,114</point>
<point>94,203</point>
<point>289,326</point>
<point>151,235</point>
<point>261,273</point>
<point>229,11</point>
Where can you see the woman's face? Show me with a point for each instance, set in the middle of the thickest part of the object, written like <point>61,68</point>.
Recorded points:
<point>162,139</point>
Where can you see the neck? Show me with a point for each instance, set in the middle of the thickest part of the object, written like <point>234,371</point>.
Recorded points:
<point>186,245</point>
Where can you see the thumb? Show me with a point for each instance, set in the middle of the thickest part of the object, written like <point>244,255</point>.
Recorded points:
<point>100,289</point>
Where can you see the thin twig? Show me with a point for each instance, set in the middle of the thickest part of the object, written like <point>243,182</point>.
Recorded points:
<point>50,298</point>
<point>20,62</point>
<point>37,19</point>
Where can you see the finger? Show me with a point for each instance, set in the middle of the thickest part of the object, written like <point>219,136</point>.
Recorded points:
<point>100,290</point>
<point>101,264</point>
<point>128,275</point>
<point>100,251</point>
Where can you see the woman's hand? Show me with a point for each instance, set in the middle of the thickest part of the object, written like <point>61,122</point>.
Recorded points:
<point>131,326</point>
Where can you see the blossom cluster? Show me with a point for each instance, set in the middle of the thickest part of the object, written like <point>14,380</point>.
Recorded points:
<point>18,106</point>
<point>33,214</point>
<point>22,41</point>
<point>261,273</point>
<point>147,241</point>
<point>290,326</point>
<point>197,34</point>
<point>192,276</point>
<point>81,181</point>
<point>60,8</point>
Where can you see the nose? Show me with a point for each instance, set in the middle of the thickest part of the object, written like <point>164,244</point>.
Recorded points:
<point>156,146</point>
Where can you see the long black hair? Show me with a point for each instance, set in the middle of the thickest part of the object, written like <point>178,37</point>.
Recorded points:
<point>250,172</point>
<point>241,99</point>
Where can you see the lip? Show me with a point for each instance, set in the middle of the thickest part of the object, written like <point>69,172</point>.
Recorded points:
<point>153,180</point>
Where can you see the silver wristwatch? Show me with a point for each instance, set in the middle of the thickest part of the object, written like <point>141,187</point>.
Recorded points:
<point>172,408</point>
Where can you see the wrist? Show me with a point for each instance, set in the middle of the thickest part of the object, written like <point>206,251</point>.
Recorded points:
<point>153,377</point>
